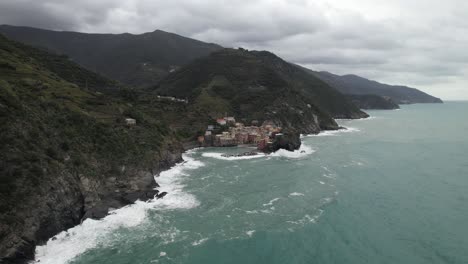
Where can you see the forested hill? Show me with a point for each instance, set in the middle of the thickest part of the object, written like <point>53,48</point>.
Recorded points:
<point>258,85</point>
<point>356,85</point>
<point>135,60</point>
<point>66,152</point>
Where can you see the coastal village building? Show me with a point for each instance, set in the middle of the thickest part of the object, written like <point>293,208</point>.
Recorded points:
<point>238,134</point>
<point>221,121</point>
<point>130,121</point>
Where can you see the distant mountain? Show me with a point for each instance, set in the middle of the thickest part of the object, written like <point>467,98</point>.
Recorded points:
<point>372,101</point>
<point>356,85</point>
<point>135,60</point>
<point>258,85</point>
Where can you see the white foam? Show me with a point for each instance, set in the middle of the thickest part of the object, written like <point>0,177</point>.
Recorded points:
<point>77,240</point>
<point>250,233</point>
<point>199,242</point>
<point>162,254</point>
<point>329,176</point>
<point>321,182</point>
<point>270,203</point>
<point>307,219</point>
<point>296,194</point>
<point>303,151</point>
<point>326,133</point>
<point>220,156</point>
<point>353,120</point>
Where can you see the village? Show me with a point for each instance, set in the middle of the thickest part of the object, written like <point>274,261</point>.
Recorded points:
<point>227,133</point>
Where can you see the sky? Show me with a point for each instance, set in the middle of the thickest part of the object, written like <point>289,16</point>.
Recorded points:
<point>419,43</point>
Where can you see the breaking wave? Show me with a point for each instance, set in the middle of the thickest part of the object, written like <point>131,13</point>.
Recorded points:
<point>333,132</point>
<point>303,151</point>
<point>69,244</point>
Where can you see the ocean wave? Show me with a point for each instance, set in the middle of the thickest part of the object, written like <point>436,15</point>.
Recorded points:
<point>199,242</point>
<point>327,133</point>
<point>307,219</point>
<point>296,194</point>
<point>270,203</point>
<point>359,119</point>
<point>69,244</point>
<point>303,151</point>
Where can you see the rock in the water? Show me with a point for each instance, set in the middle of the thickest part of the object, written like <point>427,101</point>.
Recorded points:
<point>161,195</point>
<point>289,140</point>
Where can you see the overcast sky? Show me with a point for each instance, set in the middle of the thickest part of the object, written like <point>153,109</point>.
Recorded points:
<point>421,43</point>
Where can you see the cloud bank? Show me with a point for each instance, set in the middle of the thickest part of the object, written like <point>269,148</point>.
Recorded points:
<point>418,43</point>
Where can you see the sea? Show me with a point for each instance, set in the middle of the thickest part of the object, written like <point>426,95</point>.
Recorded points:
<point>392,188</point>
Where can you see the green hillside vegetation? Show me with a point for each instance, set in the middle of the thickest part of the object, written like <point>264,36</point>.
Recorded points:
<point>253,85</point>
<point>67,153</point>
<point>356,85</point>
<point>372,101</point>
<point>135,60</point>
<point>62,146</point>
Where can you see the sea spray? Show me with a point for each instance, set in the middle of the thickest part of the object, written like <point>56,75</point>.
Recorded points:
<point>73,242</point>
<point>302,152</point>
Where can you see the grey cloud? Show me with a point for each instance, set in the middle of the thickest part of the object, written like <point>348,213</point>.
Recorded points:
<point>397,41</point>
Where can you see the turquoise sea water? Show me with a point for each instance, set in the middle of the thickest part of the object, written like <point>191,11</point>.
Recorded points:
<point>391,189</point>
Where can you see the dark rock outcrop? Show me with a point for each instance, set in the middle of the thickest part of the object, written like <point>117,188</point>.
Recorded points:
<point>161,195</point>
<point>288,140</point>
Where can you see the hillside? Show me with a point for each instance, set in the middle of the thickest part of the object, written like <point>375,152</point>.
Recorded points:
<point>353,84</point>
<point>257,85</point>
<point>66,152</point>
<point>135,60</point>
<point>372,101</point>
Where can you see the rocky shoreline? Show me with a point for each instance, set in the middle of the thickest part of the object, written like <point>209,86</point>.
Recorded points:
<point>88,197</point>
<point>76,199</point>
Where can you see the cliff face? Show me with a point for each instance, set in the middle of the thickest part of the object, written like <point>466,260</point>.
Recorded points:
<point>66,153</point>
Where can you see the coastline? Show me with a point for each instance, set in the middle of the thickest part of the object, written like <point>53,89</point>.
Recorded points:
<point>110,209</point>
<point>169,180</point>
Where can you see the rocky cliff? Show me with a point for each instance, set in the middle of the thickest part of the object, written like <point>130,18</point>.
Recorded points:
<point>66,153</point>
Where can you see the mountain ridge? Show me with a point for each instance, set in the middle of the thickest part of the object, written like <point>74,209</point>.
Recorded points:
<point>137,60</point>
<point>356,85</point>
